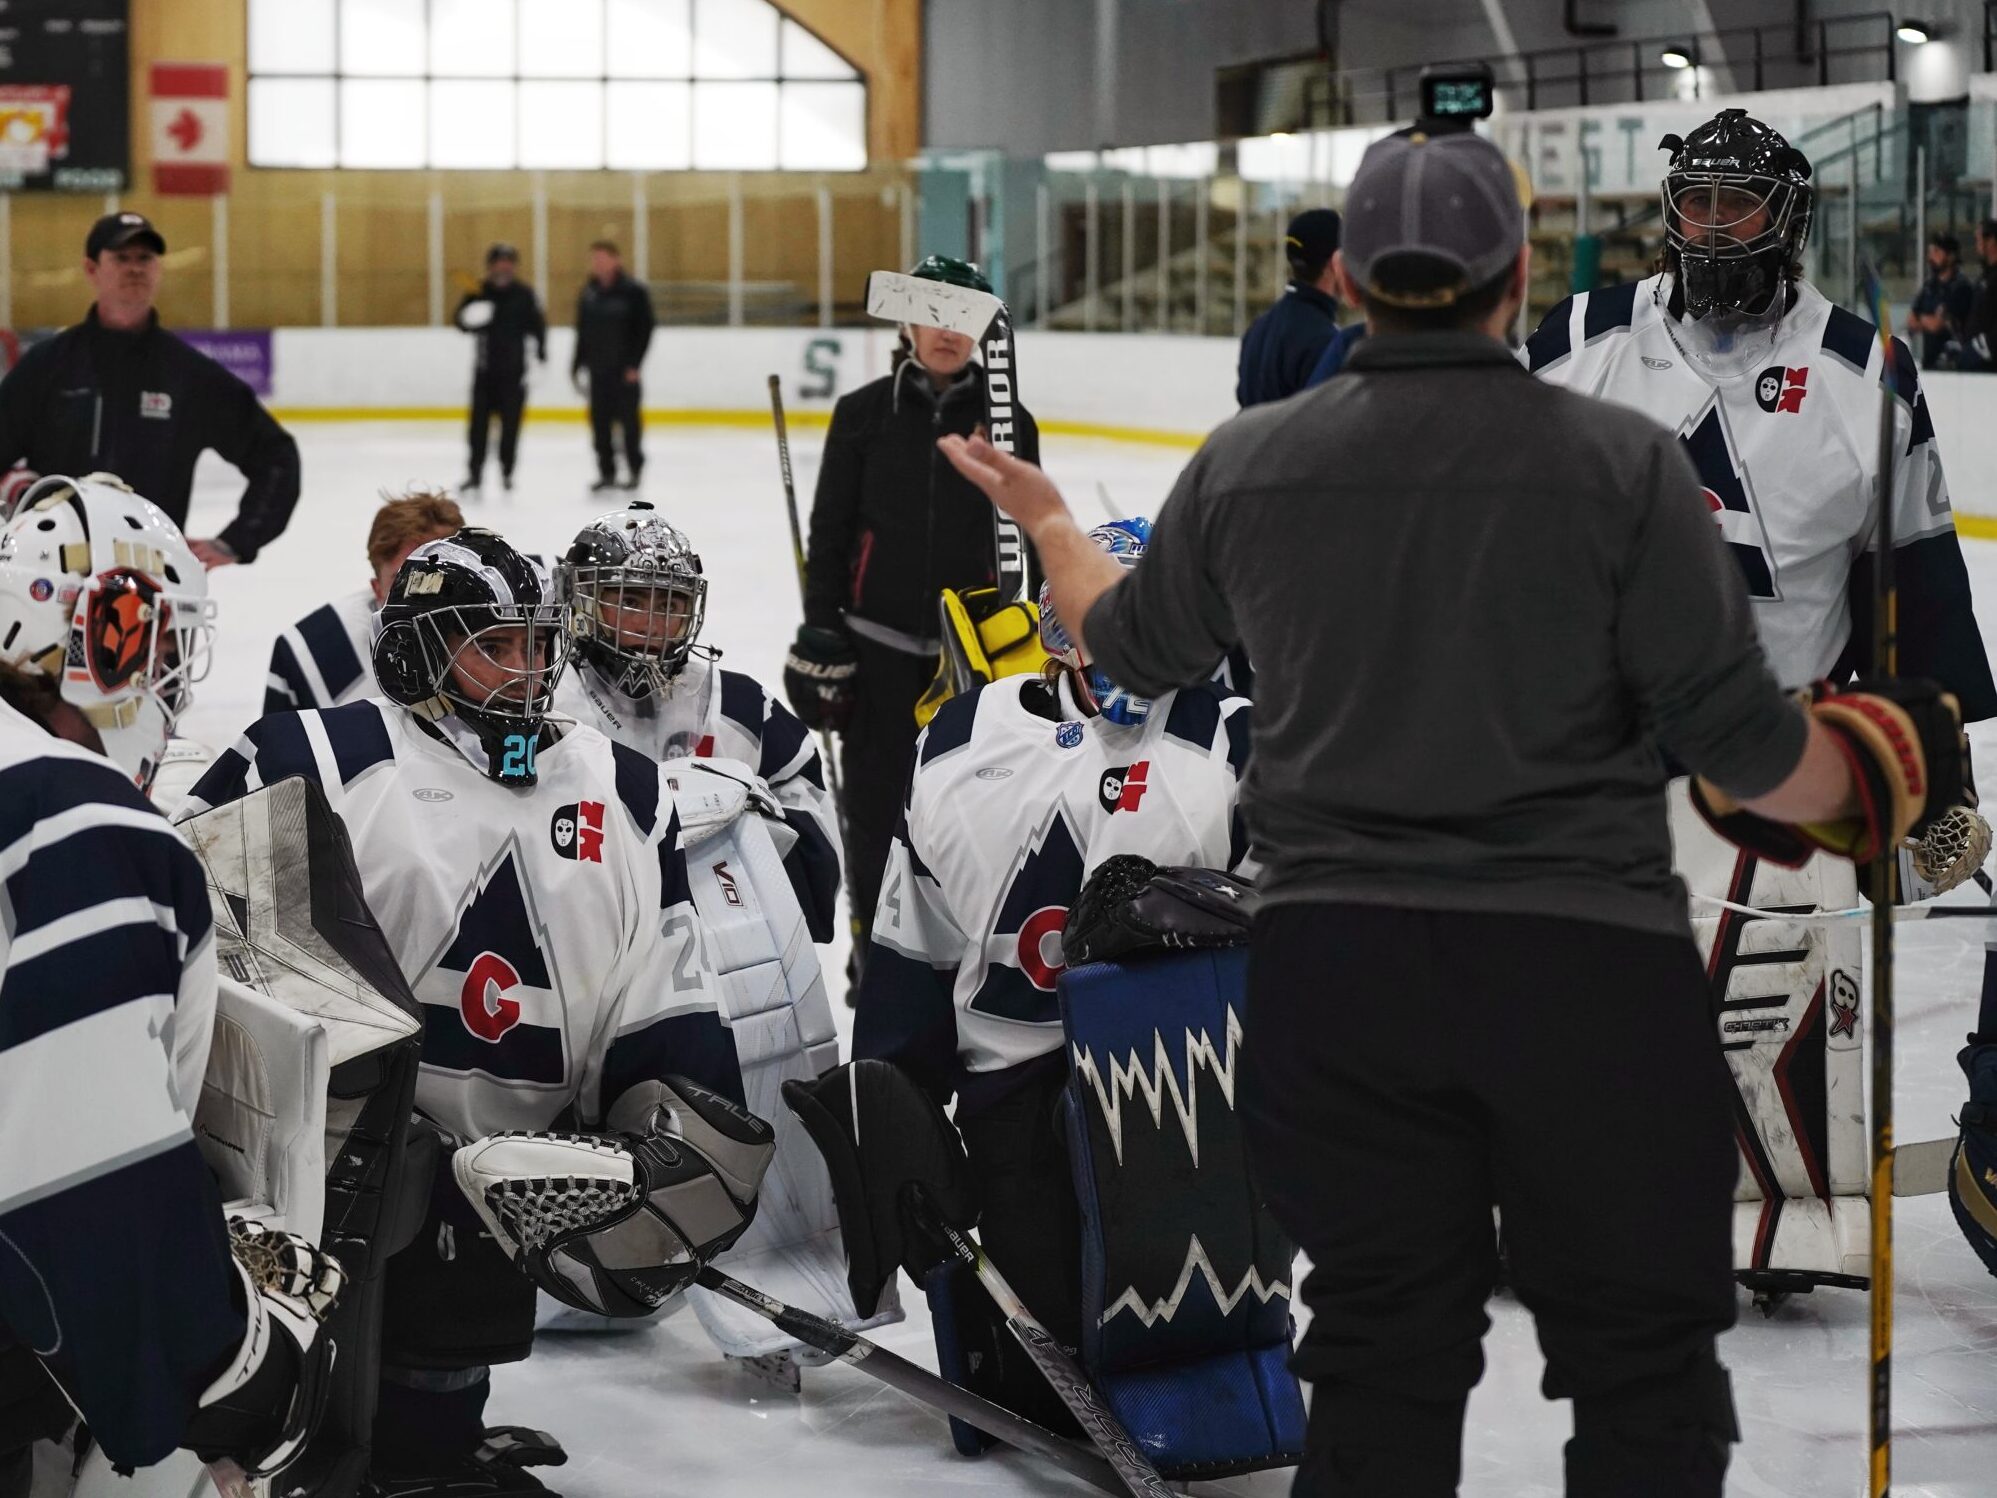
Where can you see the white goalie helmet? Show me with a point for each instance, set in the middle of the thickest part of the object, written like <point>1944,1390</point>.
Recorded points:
<point>100,591</point>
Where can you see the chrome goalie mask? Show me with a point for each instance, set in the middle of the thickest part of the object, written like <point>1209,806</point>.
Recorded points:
<point>100,591</point>
<point>1737,207</point>
<point>636,598</point>
<point>1125,540</point>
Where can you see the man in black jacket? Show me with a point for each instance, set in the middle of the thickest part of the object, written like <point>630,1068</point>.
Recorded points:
<point>119,394</point>
<point>1282,347</point>
<point>613,330</point>
<point>891,526</point>
<point>502,315</point>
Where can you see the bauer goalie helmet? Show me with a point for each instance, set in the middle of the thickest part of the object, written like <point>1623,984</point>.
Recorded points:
<point>1737,206</point>
<point>636,598</point>
<point>100,592</point>
<point>472,627</point>
<point>1125,540</point>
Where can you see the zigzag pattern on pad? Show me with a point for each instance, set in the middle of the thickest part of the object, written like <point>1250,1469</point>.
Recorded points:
<point>1153,1312</point>
<point>1160,1079</point>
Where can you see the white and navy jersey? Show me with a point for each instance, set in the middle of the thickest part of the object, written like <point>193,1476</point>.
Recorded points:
<point>711,713</point>
<point>1015,798</point>
<point>547,930</point>
<point>325,659</point>
<point>1788,455</point>
<point>114,1263</point>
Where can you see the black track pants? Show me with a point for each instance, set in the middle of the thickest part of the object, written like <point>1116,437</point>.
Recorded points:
<point>615,404</point>
<point>1405,1072</point>
<point>503,394</point>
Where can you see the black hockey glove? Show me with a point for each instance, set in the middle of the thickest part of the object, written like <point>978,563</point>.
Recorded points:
<point>1131,906</point>
<point>818,678</point>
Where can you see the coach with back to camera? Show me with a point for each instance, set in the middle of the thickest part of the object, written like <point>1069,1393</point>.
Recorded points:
<point>119,394</point>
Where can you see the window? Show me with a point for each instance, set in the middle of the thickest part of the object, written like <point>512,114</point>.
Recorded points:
<point>630,85</point>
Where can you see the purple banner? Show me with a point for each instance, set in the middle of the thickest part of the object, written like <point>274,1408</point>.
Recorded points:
<point>245,353</point>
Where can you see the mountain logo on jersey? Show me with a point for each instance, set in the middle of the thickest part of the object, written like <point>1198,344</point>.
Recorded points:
<point>491,1002</point>
<point>1709,443</point>
<point>577,831</point>
<point>1781,389</point>
<point>1028,929</point>
<point>1124,787</point>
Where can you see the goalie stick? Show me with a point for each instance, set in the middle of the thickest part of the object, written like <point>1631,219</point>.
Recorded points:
<point>983,318</point>
<point>1068,1381</point>
<point>918,1383</point>
<point>797,555</point>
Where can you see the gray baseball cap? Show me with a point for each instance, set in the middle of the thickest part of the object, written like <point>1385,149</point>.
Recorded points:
<point>1431,217</point>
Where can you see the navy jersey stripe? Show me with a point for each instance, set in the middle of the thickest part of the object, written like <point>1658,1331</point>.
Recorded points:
<point>358,737</point>
<point>696,1046</point>
<point>637,785</point>
<point>905,1014</point>
<point>742,699</point>
<point>282,749</point>
<point>226,780</point>
<point>1194,718</point>
<point>332,649</point>
<point>294,694</point>
<point>1553,339</point>
<point>783,736</point>
<point>110,861</point>
<point>1906,380</point>
<point>1608,309</point>
<point>951,728</point>
<point>140,1247</point>
<point>45,786</point>
<point>63,986</point>
<point>525,1053</point>
<point>813,867</point>
<point>673,886</point>
<point>1850,337</point>
<point>1238,739</point>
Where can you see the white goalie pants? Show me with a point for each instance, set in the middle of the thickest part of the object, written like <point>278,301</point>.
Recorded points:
<point>1786,1007</point>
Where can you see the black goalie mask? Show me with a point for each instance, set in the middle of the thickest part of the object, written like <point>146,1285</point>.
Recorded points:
<point>636,598</point>
<point>472,627</point>
<point>1737,205</point>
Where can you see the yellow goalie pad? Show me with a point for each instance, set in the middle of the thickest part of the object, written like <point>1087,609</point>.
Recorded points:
<point>984,637</point>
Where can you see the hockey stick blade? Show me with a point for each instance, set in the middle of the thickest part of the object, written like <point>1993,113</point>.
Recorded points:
<point>1068,1381</point>
<point>895,297</point>
<point>1922,1169</point>
<point>919,1383</point>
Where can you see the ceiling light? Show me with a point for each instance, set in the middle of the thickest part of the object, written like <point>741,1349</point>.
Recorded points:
<point>1677,55</point>
<point>1912,31</point>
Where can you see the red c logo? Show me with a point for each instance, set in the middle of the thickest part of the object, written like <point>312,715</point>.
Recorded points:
<point>488,1013</point>
<point>1043,923</point>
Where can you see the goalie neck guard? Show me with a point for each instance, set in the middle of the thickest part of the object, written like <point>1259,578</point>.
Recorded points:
<point>636,598</point>
<point>1125,540</point>
<point>1737,207</point>
<point>101,593</point>
<point>472,627</point>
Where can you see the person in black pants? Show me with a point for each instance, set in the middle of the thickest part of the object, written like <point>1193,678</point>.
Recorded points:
<point>891,526</point>
<point>119,394</point>
<point>613,330</point>
<point>1472,981</point>
<point>503,314</point>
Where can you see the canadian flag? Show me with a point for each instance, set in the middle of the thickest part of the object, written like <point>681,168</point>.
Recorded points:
<point>190,117</point>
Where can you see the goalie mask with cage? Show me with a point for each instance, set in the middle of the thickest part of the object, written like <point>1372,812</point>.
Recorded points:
<point>1737,206</point>
<point>636,598</point>
<point>472,627</point>
<point>1125,540</point>
<point>100,591</point>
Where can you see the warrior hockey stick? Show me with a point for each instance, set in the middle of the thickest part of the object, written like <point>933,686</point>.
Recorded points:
<point>1885,663</point>
<point>797,555</point>
<point>1077,1393</point>
<point>980,316</point>
<point>1854,912</point>
<point>918,1383</point>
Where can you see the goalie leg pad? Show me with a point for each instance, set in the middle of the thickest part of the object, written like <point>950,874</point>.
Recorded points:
<point>882,1136</point>
<point>1185,1275</point>
<point>1972,1184</point>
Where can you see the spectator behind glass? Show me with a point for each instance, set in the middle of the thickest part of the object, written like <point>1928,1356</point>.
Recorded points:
<point>1942,307</point>
<point>1978,331</point>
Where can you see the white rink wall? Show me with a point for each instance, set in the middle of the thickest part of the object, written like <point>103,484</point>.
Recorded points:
<point>1140,387</point>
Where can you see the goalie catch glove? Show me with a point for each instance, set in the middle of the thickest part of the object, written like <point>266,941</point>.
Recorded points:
<point>263,1407</point>
<point>1903,743</point>
<point>619,1223</point>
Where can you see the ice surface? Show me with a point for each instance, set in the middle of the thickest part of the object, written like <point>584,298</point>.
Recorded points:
<point>655,1413</point>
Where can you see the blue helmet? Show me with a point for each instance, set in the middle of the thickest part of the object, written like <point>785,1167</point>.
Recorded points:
<point>1125,540</point>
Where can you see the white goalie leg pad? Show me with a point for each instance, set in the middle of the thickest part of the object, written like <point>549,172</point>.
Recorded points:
<point>1787,1002</point>
<point>261,1122</point>
<point>773,996</point>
